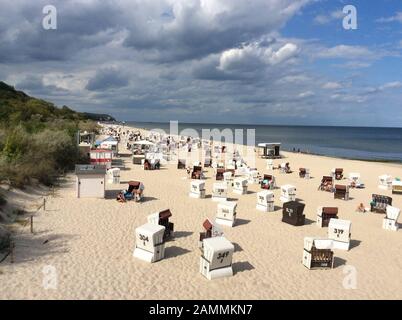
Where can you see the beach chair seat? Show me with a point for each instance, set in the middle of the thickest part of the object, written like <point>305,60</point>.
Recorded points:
<point>339,231</point>
<point>196,173</point>
<point>210,230</point>
<point>341,192</point>
<point>216,259</point>
<point>326,184</point>
<point>325,214</point>
<point>390,222</point>
<point>285,168</point>
<point>265,201</point>
<point>288,193</point>
<point>292,213</point>
<point>385,182</point>
<point>379,203</point>
<point>304,173</point>
<point>181,164</point>
<point>219,174</point>
<point>396,187</point>
<point>150,245</point>
<point>354,180</point>
<point>337,173</point>
<point>317,253</point>
<point>268,182</point>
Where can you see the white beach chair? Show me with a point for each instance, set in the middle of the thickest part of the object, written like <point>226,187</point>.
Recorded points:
<point>150,245</point>
<point>340,232</point>
<point>226,213</point>
<point>265,201</point>
<point>216,260</point>
<point>317,253</point>
<point>390,222</point>
<point>288,193</point>
<point>385,182</point>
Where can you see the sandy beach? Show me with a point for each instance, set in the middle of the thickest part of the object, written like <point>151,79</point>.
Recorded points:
<point>90,242</point>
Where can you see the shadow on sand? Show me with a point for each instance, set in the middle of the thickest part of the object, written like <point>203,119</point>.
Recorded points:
<point>174,251</point>
<point>242,267</point>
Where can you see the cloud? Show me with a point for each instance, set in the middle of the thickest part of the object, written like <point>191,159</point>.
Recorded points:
<point>396,18</point>
<point>252,56</point>
<point>298,78</point>
<point>108,78</point>
<point>306,94</point>
<point>391,85</point>
<point>198,28</point>
<point>332,85</point>
<point>345,52</point>
<point>325,19</point>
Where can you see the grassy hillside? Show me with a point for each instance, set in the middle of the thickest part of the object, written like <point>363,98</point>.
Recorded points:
<point>17,106</point>
<point>38,139</point>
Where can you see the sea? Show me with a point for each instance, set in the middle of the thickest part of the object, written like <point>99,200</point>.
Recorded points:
<point>363,143</point>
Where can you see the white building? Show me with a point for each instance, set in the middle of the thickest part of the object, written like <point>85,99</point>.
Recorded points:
<point>90,181</point>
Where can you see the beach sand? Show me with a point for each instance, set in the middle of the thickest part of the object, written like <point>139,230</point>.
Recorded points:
<point>90,242</point>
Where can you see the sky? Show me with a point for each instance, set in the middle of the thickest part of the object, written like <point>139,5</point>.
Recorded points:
<point>214,61</point>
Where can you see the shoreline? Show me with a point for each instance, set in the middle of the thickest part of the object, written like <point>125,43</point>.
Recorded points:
<point>285,151</point>
<point>376,160</point>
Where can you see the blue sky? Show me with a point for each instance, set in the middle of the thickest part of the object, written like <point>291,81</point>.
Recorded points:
<point>227,61</point>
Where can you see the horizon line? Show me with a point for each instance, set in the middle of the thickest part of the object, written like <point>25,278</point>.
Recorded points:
<point>268,124</point>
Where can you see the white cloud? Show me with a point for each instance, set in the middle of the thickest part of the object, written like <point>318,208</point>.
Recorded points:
<point>345,52</point>
<point>391,85</point>
<point>396,18</point>
<point>349,98</point>
<point>332,85</point>
<point>325,19</point>
<point>294,79</point>
<point>253,54</point>
<point>306,94</point>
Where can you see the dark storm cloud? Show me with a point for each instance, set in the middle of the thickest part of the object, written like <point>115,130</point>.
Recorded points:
<point>106,79</point>
<point>79,27</point>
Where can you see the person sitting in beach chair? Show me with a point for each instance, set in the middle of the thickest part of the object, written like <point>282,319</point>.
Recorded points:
<point>147,165</point>
<point>326,184</point>
<point>268,182</point>
<point>181,164</point>
<point>197,173</point>
<point>337,173</point>
<point>219,174</point>
<point>285,168</point>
